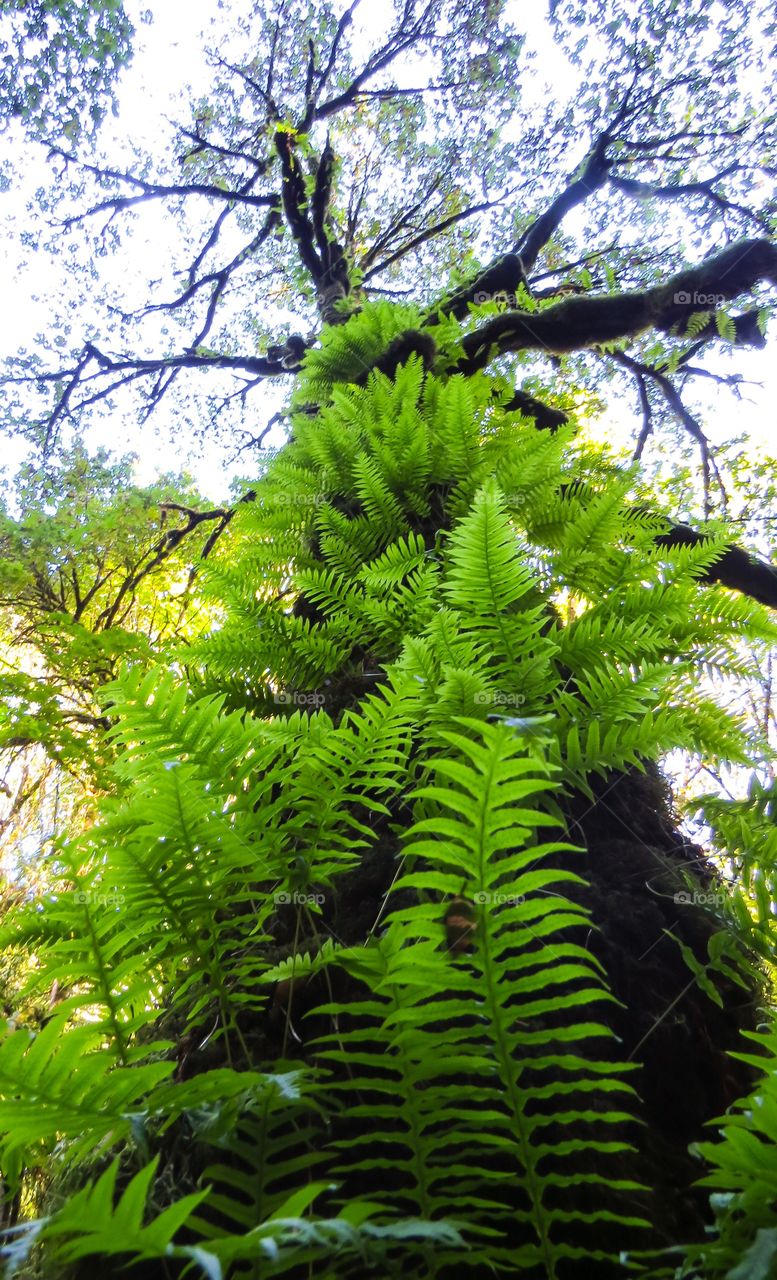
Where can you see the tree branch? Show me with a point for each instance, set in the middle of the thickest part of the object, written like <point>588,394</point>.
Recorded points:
<point>577,323</point>
<point>545,416</point>
<point>158,191</point>
<point>295,205</point>
<point>678,410</point>
<point>131,369</point>
<point>593,175</point>
<point>735,568</point>
<point>428,234</point>
<point>159,552</point>
<point>401,39</point>
<point>402,219</point>
<point>705,190</point>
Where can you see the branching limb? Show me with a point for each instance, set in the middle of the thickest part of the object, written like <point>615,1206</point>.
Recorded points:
<point>217,280</point>
<point>408,32</point>
<point>317,80</point>
<point>609,150</point>
<point>114,372</point>
<point>403,219</point>
<point>202,144</point>
<point>163,548</point>
<point>679,411</point>
<point>429,233</point>
<point>735,568</point>
<point>296,207</point>
<point>705,190</point>
<point>590,176</point>
<point>257,441</point>
<point>263,94</point>
<point>242,194</point>
<point>577,323</point>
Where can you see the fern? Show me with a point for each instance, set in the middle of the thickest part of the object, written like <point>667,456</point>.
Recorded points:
<point>347,350</point>
<point>743,1182</point>
<point>433,624</point>
<point>59,1087</point>
<point>510,1016</point>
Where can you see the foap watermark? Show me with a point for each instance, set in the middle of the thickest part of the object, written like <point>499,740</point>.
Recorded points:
<point>502,299</point>
<point>283,898</point>
<point>702,300</point>
<point>294,698</point>
<point>495,503</point>
<point>299,499</point>
<point>701,899</point>
<point>498,899</point>
<point>495,698</point>
<point>98,899</point>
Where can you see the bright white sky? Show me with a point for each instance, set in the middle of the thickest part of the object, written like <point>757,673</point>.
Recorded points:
<point>149,91</point>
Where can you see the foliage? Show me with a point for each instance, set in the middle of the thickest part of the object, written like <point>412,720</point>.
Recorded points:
<point>90,577</point>
<point>313,985</point>
<point>528,631</point>
<point>59,61</point>
<point>742,1182</point>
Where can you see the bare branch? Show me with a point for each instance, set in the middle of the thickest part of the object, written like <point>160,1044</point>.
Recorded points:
<point>132,369</point>
<point>217,279</point>
<point>669,392</point>
<point>161,550</point>
<point>161,191</point>
<point>264,95</point>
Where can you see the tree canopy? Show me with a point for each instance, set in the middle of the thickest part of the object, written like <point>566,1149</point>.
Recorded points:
<point>341,156</point>
<point>59,62</point>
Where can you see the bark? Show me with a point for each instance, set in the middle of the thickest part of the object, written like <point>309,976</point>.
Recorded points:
<point>577,323</point>
<point>736,568</point>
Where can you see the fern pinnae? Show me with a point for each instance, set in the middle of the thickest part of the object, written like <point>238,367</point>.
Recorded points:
<point>480,835</point>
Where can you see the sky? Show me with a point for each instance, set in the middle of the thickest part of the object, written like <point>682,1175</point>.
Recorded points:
<point>148,91</point>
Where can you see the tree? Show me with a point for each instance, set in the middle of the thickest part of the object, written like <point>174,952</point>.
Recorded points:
<point>384,842</point>
<point>95,571</point>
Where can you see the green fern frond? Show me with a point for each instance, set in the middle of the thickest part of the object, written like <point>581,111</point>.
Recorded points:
<point>58,1086</point>
<point>501,1015</point>
<point>348,349</point>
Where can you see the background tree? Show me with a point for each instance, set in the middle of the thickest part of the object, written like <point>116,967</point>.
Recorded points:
<point>95,571</point>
